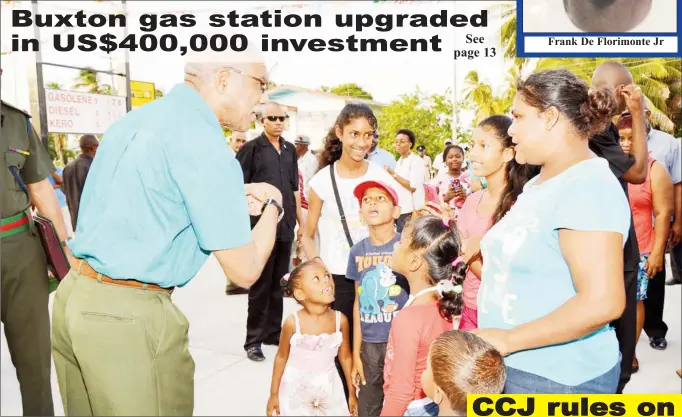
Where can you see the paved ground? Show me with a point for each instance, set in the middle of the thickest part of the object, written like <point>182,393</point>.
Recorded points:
<point>229,384</point>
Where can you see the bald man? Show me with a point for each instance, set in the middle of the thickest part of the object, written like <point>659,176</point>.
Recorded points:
<point>75,173</point>
<point>269,158</point>
<point>607,15</point>
<point>147,224</point>
<point>237,140</point>
<point>628,168</point>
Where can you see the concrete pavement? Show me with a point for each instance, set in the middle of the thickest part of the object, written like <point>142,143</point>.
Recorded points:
<point>226,383</point>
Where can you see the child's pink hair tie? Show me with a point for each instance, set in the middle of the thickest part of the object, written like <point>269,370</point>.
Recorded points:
<point>286,277</point>
<point>457,261</point>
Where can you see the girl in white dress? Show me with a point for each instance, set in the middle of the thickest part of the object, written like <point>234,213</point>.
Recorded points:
<point>305,381</point>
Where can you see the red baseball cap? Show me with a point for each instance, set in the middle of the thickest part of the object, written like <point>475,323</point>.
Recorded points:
<point>364,186</point>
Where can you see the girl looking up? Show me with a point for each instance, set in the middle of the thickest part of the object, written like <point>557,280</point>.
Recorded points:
<point>304,379</point>
<point>428,256</point>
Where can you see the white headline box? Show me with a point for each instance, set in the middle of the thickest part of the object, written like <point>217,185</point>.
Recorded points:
<point>75,112</point>
<point>600,44</point>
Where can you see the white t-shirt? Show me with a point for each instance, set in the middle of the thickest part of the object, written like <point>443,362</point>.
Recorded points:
<point>334,249</point>
<point>411,169</point>
<point>307,164</point>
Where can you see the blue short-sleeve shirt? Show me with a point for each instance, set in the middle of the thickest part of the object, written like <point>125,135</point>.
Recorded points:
<point>163,192</point>
<point>525,275</point>
<point>61,198</point>
<point>381,293</point>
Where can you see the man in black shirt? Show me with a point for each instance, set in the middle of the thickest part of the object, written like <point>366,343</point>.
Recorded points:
<point>75,174</point>
<point>629,169</point>
<point>269,158</point>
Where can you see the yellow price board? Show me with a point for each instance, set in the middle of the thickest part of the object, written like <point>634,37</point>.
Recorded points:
<point>142,93</point>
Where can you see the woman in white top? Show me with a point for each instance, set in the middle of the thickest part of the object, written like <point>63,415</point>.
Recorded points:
<point>344,151</point>
<point>409,173</point>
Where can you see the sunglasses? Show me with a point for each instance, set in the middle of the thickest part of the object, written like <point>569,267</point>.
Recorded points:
<point>280,118</point>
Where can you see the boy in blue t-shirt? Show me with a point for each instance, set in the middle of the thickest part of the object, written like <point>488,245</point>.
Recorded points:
<point>380,292</point>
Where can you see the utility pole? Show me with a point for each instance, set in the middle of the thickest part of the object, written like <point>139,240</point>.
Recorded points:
<point>455,111</point>
<point>129,95</point>
<point>42,108</point>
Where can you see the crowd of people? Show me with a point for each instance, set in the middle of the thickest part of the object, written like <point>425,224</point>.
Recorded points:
<point>419,281</point>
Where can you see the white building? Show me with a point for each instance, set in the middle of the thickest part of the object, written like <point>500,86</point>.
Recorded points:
<point>312,112</point>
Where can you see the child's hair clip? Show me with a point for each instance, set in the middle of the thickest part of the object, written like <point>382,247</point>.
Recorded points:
<point>457,261</point>
<point>286,277</point>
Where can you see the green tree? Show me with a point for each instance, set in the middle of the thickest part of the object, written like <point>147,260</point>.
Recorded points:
<point>480,95</point>
<point>429,117</point>
<point>508,35</point>
<point>87,80</point>
<point>348,90</point>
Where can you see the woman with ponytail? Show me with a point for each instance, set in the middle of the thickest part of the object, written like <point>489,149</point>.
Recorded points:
<point>427,255</point>
<point>342,163</point>
<point>552,279</point>
<point>492,158</point>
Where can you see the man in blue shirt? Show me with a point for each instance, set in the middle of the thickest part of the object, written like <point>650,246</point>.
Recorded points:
<point>379,156</point>
<point>163,194</point>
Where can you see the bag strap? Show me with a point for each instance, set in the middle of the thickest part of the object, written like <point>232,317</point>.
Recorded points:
<point>338,203</point>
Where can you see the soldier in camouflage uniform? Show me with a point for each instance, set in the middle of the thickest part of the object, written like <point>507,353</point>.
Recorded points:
<point>24,271</point>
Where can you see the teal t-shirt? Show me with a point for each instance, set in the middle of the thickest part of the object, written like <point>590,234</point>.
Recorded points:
<point>525,275</point>
<point>163,192</point>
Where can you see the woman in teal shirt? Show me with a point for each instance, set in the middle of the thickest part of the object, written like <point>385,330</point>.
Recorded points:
<point>552,277</point>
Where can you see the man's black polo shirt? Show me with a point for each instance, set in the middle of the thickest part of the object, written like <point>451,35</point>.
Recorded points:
<point>261,162</point>
<point>607,145</point>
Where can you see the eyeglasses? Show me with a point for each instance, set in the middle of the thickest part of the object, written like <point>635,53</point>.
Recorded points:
<point>262,82</point>
<point>280,118</point>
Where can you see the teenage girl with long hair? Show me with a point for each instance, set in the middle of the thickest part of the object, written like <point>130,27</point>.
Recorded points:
<point>492,158</point>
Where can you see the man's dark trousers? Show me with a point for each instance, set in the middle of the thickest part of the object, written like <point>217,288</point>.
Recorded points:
<point>264,321</point>
<point>626,329</point>
<point>676,262</point>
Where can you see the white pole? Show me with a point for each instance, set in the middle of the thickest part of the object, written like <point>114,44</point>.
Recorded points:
<point>455,113</point>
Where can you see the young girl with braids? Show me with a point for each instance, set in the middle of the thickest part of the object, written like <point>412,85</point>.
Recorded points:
<point>305,381</point>
<point>492,158</point>
<point>428,256</point>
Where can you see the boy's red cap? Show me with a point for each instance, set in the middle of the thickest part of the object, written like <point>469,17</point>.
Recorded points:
<point>364,186</point>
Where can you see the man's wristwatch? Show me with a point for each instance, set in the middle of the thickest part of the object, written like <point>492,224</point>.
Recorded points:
<point>275,204</point>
